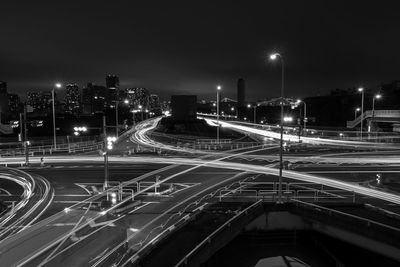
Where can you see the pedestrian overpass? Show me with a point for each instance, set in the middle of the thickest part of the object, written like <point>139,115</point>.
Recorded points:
<point>389,116</point>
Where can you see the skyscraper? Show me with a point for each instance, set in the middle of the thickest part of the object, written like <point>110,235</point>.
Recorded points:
<point>14,104</point>
<point>93,98</point>
<point>112,82</point>
<point>154,102</point>
<point>72,99</point>
<point>138,96</point>
<point>3,97</point>
<point>40,100</point>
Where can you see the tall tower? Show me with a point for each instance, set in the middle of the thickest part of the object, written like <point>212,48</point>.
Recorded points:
<point>241,86</point>
<point>112,84</point>
<point>3,98</point>
<point>72,99</point>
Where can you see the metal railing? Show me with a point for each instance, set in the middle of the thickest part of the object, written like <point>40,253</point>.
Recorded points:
<point>268,191</point>
<point>377,114</point>
<point>331,212</point>
<point>227,224</point>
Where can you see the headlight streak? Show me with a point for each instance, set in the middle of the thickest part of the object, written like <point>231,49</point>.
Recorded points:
<point>43,196</point>
<point>295,138</point>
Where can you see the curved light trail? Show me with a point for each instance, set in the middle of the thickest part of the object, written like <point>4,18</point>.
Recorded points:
<point>36,198</point>
<point>303,139</point>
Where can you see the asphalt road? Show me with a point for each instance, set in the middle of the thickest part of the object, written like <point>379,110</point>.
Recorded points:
<point>76,181</point>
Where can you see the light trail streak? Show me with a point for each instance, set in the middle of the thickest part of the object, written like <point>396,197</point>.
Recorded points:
<point>37,193</point>
<point>296,138</point>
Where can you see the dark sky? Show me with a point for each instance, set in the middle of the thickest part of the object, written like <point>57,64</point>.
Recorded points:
<point>188,47</point>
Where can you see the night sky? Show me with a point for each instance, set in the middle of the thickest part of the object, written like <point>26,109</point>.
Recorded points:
<point>189,47</point>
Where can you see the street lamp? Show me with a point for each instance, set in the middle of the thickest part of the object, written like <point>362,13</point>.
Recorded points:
<point>355,112</point>
<point>108,146</point>
<point>141,111</point>
<point>254,112</point>
<point>377,96</point>
<point>218,90</point>
<point>305,112</point>
<point>274,56</point>
<point>361,90</point>
<point>57,85</point>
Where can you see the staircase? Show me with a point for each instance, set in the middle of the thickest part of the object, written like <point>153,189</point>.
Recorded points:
<point>392,116</point>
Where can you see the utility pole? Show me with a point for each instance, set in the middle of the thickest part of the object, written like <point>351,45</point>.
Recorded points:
<point>116,118</point>
<point>26,138</point>
<point>105,154</point>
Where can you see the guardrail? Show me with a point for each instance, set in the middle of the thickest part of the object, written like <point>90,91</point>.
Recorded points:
<point>268,191</point>
<point>43,150</point>
<point>332,212</point>
<point>377,114</point>
<point>227,224</point>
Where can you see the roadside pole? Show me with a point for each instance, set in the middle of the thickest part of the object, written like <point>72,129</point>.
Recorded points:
<point>26,139</point>
<point>105,154</point>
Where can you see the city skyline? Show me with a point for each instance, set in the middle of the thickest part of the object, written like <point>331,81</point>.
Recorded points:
<point>327,47</point>
<point>199,133</point>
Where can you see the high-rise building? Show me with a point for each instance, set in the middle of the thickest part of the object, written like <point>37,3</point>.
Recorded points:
<point>138,96</point>
<point>93,98</point>
<point>72,99</point>
<point>14,104</point>
<point>241,87</point>
<point>3,87</point>
<point>112,84</point>
<point>40,100</point>
<point>154,102</point>
<point>3,97</point>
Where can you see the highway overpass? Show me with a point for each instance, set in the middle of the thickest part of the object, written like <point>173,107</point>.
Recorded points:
<point>389,116</point>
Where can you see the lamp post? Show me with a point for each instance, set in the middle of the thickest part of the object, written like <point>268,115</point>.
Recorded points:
<point>57,85</point>
<point>355,112</point>
<point>377,96</point>
<point>254,112</point>
<point>116,117</point>
<point>133,117</point>
<point>105,185</point>
<point>141,111</point>
<point>305,112</point>
<point>361,90</point>
<point>274,57</point>
<point>218,90</point>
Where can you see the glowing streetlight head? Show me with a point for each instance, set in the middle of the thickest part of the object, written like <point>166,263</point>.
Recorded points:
<point>360,89</point>
<point>232,109</point>
<point>219,87</point>
<point>248,105</point>
<point>358,109</point>
<point>58,85</point>
<point>140,106</point>
<point>298,101</point>
<point>378,96</point>
<point>287,119</point>
<point>126,101</point>
<point>273,56</point>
